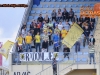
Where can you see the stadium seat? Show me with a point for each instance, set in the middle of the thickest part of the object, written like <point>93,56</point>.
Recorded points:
<point>78,11</point>
<point>28,23</point>
<point>44,11</point>
<point>74,5</point>
<point>64,0</point>
<point>81,0</point>
<point>69,6</point>
<point>79,53</point>
<point>51,6</point>
<point>40,6</point>
<point>53,0</point>
<point>34,6</point>
<point>42,0</point>
<point>70,0</point>
<point>57,6</point>
<point>85,53</point>
<point>87,0</point>
<point>50,11</point>
<point>75,1</point>
<point>38,11</point>
<point>65,59</point>
<point>71,59</point>
<point>32,12</point>
<point>74,11</point>
<point>45,6</point>
<point>47,0</point>
<point>58,0</point>
<point>35,18</point>
<point>30,17</point>
<point>91,5</point>
<point>80,5</point>
<point>78,60</point>
<point>86,5</point>
<point>84,60</point>
<point>63,6</point>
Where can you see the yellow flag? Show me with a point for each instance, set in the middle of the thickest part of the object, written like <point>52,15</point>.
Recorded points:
<point>74,33</point>
<point>6,48</point>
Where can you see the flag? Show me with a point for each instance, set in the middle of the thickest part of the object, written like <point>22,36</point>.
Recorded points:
<point>74,33</point>
<point>6,48</point>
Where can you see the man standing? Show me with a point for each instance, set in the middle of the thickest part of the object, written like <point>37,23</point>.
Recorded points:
<point>56,40</point>
<point>38,41</point>
<point>86,35</point>
<point>92,40</point>
<point>91,53</point>
<point>28,40</point>
<point>40,18</point>
<point>66,51</point>
<point>54,65</point>
<point>77,46</point>
<point>20,43</point>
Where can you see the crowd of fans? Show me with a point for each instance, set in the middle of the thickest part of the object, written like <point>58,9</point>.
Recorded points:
<point>45,32</point>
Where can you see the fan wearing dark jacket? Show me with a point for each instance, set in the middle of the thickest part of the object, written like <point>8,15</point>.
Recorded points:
<point>65,14</point>
<point>66,51</point>
<point>45,45</point>
<point>92,40</point>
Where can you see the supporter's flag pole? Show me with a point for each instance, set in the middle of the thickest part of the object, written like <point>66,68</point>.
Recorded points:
<point>6,48</point>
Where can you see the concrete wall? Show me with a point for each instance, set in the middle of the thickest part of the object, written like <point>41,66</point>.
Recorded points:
<point>33,69</point>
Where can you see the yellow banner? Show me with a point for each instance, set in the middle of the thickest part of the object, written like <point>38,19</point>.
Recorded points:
<point>6,48</point>
<point>73,35</point>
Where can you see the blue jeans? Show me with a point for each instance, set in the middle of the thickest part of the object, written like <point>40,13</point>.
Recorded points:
<point>28,46</point>
<point>38,45</point>
<point>77,46</point>
<point>92,56</point>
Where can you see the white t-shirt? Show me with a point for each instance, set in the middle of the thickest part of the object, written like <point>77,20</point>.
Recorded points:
<point>60,26</point>
<point>24,33</point>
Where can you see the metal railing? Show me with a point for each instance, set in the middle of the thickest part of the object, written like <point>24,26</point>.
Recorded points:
<point>79,58</point>
<point>4,72</point>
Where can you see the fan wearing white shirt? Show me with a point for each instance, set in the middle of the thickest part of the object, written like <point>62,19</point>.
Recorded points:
<point>60,26</point>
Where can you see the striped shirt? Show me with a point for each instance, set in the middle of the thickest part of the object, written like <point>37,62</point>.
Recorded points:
<point>91,49</point>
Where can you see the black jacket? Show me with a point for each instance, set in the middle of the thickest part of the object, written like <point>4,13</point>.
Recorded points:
<point>93,20</point>
<point>65,13</point>
<point>87,32</point>
<point>40,19</point>
<point>66,50</point>
<point>92,41</point>
<point>45,44</point>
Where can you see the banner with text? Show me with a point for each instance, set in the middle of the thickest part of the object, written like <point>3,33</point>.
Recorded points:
<point>36,56</point>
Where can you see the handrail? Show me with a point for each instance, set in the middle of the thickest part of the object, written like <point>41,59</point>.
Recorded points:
<point>44,70</point>
<point>51,66</point>
<point>64,68</point>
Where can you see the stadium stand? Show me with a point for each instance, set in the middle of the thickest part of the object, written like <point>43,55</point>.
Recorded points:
<point>49,22</point>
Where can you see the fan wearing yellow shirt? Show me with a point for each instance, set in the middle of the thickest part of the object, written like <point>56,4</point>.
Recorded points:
<point>20,42</point>
<point>63,32</point>
<point>28,40</point>
<point>37,41</point>
<point>50,34</point>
